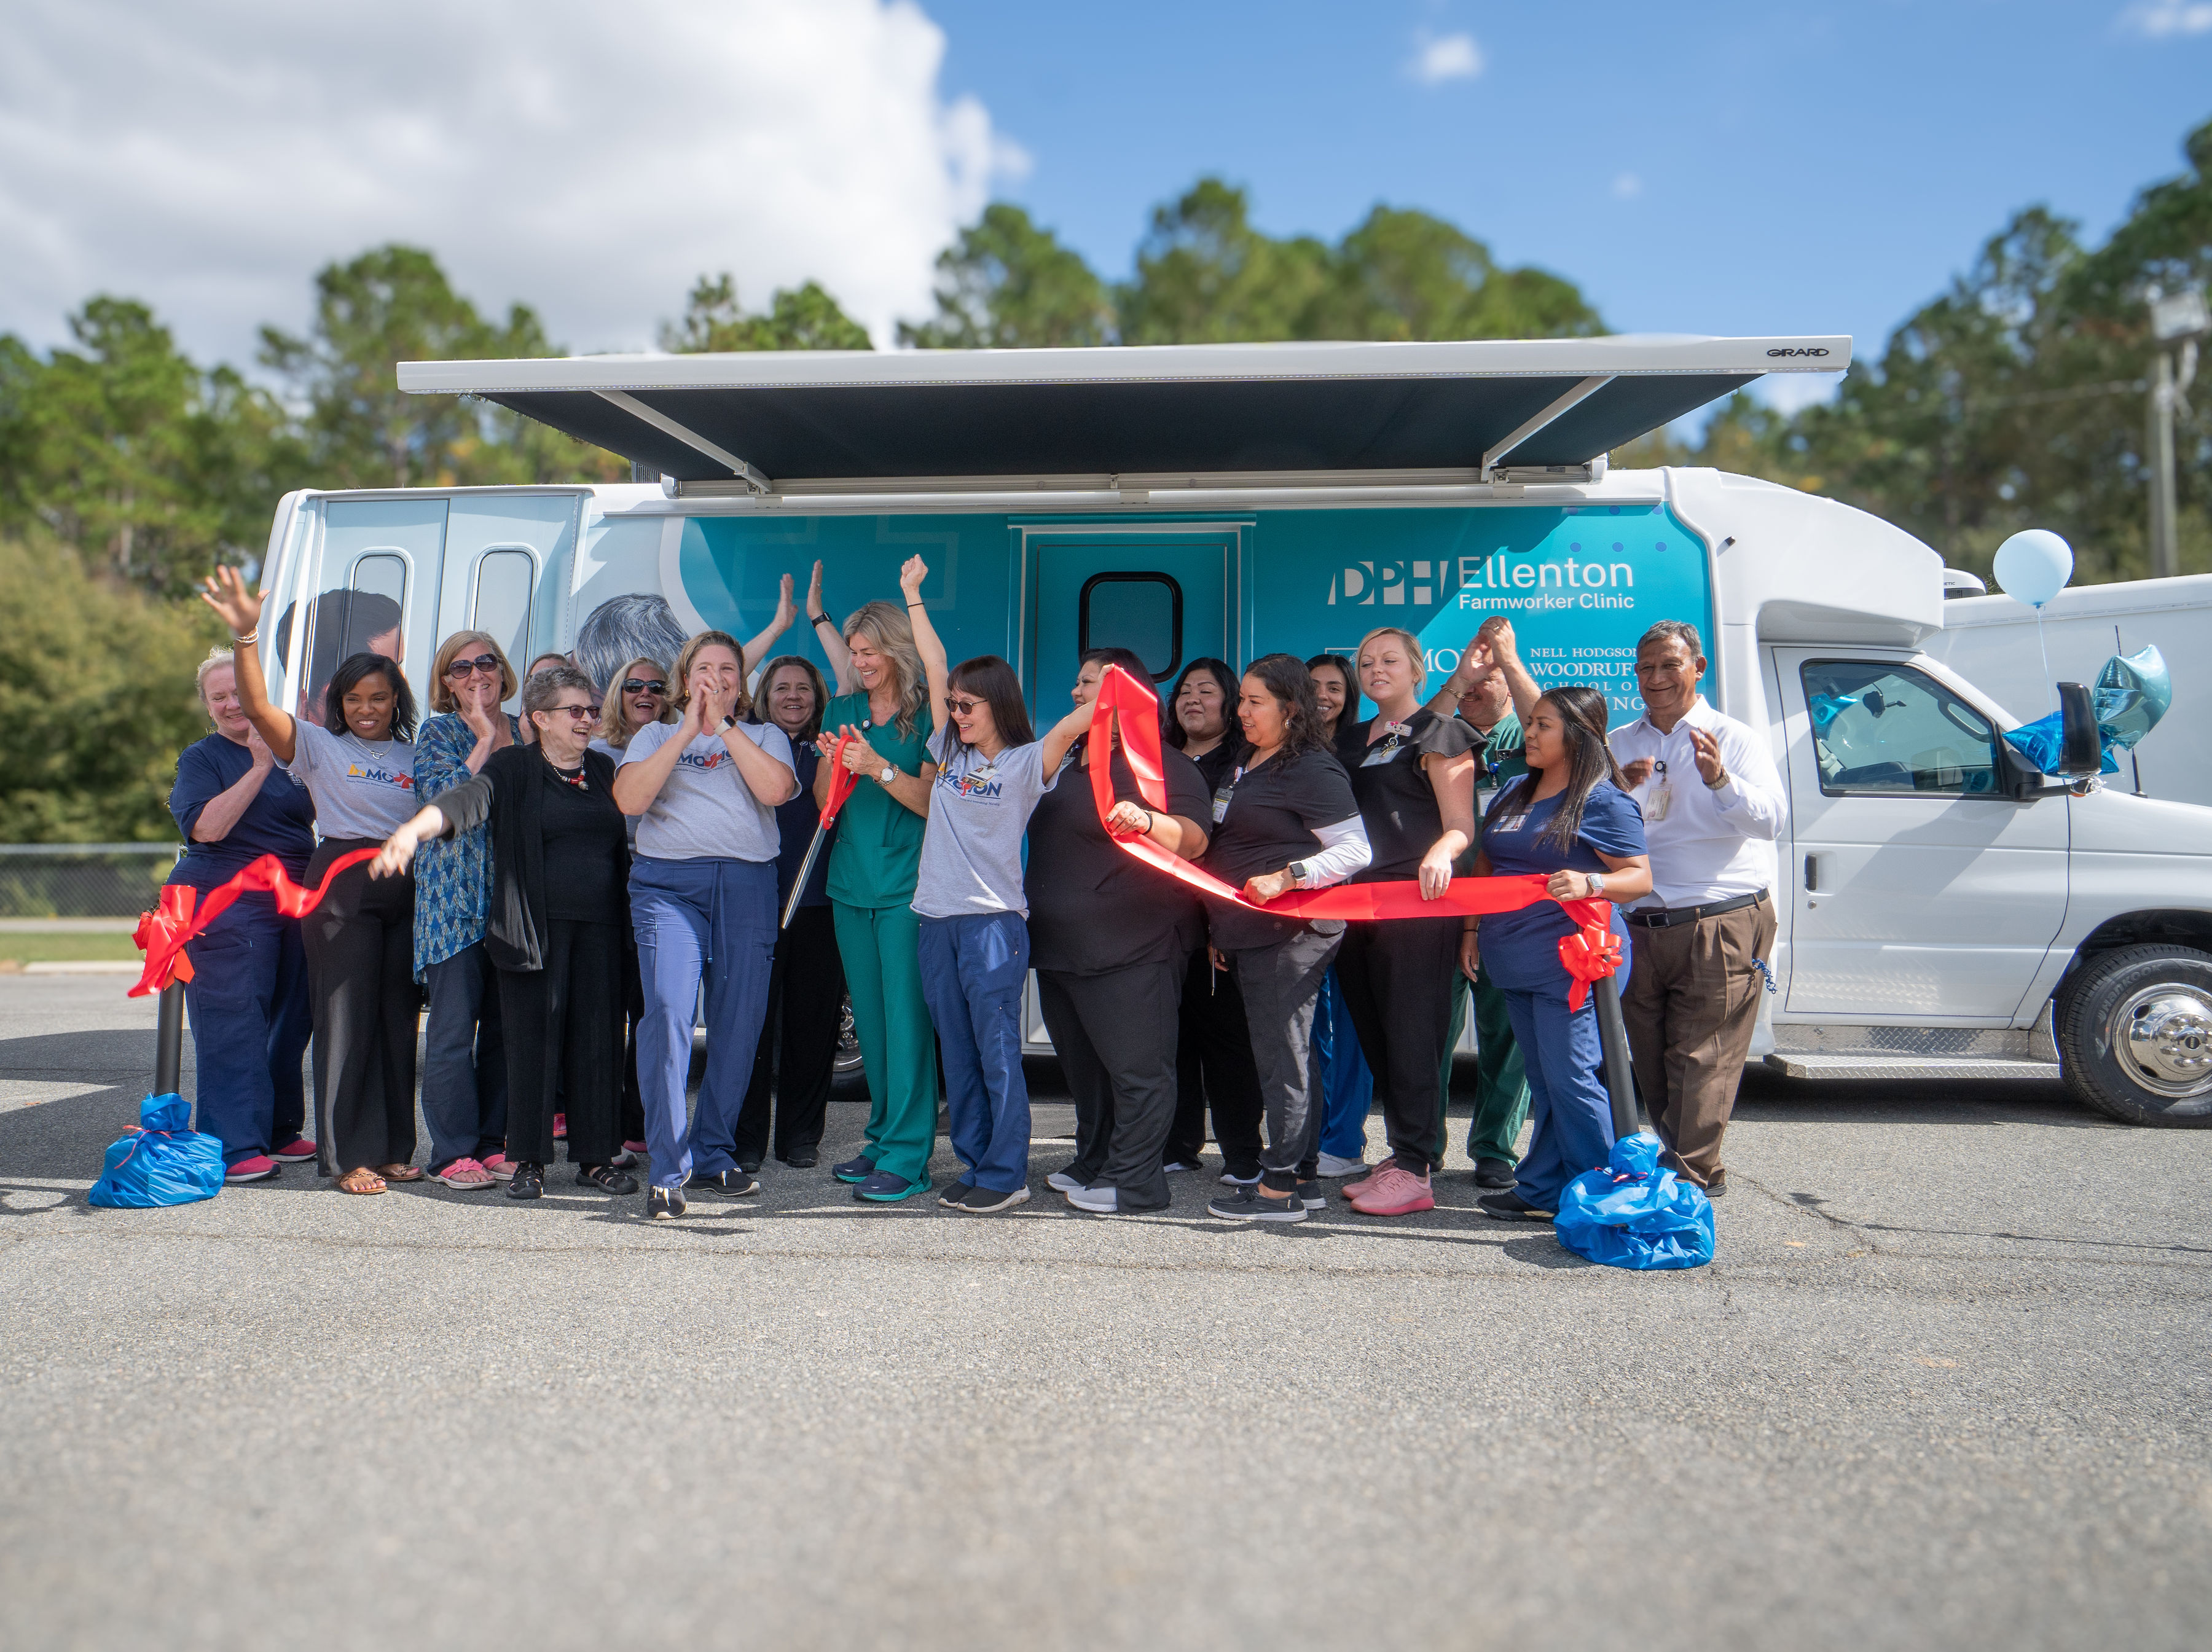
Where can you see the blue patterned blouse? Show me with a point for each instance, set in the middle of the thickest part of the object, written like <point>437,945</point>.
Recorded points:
<point>453,876</point>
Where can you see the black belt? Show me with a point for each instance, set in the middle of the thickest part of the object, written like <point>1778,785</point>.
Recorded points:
<point>1668,917</point>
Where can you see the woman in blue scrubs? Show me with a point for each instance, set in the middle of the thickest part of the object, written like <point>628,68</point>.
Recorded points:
<point>1571,818</point>
<point>247,999</point>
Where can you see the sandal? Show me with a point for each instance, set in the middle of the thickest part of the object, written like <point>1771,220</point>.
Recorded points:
<point>360,1180</point>
<point>400,1172</point>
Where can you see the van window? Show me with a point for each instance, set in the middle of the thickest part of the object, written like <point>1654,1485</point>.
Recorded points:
<point>382,574</point>
<point>503,600</point>
<point>1888,730</point>
<point>1141,612</point>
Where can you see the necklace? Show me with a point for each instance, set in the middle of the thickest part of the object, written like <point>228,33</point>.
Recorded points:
<point>576,780</point>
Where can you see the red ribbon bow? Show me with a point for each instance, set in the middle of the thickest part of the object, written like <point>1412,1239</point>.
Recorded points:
<point>162,933</point>
<point>1136,708</point>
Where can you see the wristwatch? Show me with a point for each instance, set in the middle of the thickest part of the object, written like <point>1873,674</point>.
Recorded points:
<point>1298,874</point>
<point>1597,884</point>
<point>890,770</point>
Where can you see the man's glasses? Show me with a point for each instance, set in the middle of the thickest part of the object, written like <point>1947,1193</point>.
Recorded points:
<point>637,685</point>
<point>488,664</point>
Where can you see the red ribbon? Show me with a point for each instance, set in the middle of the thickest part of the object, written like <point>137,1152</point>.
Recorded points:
<point>841,781</point>
<point>1592,953</point>
<point>163,934</point>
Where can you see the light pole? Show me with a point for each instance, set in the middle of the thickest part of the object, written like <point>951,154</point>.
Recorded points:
<point>2179,320</point>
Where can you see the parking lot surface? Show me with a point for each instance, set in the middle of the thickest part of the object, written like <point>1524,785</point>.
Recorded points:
<point>1947,1383</point>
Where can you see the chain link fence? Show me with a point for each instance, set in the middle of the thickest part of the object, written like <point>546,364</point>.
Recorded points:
<point>82,880</point>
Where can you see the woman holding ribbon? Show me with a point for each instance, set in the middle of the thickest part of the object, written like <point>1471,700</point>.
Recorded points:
<point>796,1058</point>
<point>1213,1051</point>
<point>1289,822</point>
<point>1412,773</point>
<point>1348,1082</point>
<point>358,765</point>
<point>555,933</point>
<point>464,1060</point>
<point>702,900</point>
<point>1111,939</point>
<point>882,729</point>
<point>248,993</point>
<point>1570,819</point>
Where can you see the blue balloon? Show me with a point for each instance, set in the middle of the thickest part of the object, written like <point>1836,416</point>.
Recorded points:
<point>2034,566</point>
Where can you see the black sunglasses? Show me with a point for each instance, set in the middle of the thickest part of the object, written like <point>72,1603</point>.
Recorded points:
<point>488,664</point>
<point>632,685</point>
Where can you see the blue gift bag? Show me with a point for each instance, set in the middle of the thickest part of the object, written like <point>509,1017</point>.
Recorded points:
<point>163,1162</point>
<point>1633,1214</point>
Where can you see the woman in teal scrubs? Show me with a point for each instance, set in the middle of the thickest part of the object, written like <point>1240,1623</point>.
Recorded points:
<point>872,869</point>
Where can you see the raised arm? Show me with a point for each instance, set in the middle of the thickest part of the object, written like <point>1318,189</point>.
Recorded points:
<point>827,634</point>
<point>786,611</point>
<point>1060,739</point>
<point>240,609</point>
<point>926,640</point>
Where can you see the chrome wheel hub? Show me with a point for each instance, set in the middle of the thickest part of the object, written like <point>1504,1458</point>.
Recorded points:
<point>2165,1033</point>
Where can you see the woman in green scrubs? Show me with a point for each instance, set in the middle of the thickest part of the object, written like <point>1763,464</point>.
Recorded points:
<point>872,869</point>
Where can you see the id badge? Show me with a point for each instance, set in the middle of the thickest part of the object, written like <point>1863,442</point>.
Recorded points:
<point>1661,798</point>
<point>1381,752</point>
<point>1221,802</point>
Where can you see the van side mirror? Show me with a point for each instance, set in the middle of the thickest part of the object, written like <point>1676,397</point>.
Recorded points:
<point>2081,752</point>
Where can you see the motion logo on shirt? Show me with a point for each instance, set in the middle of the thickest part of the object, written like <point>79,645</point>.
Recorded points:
<point>703,760</point>
<point>982,785</point>
<point>378,774</point>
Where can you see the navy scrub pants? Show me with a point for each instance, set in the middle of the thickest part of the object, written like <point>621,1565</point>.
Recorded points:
<point>248,1002</point>
<point>1567,1096</point>
<point>464,1060</point>
<point>708,922</point>
<point>972,972</point>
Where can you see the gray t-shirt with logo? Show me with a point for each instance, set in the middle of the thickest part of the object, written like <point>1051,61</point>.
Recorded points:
<point>705,810</point>
<point>361,788</point>
<point>971,852</point>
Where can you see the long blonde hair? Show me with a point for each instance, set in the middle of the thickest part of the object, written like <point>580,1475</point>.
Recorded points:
<point>679,688</point>
<point>614,710</point>
<point>885,625</point>
<point>441,696</point>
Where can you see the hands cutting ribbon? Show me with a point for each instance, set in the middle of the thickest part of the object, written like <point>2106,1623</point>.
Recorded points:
<point>1592,953</point>
<point>184,913</point>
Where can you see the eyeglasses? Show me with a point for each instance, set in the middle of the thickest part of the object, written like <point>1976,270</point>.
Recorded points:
<point>488,664</point>
<point>965,708</point>
<point>581,712</point>
<point>635,685</point>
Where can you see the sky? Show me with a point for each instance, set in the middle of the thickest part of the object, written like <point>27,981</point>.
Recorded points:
<point>1719,168</point>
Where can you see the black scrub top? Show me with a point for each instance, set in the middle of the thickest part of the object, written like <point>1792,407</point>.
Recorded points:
<point>1396,800</point>
<point>1268,821</point>
<point>1094,905</point>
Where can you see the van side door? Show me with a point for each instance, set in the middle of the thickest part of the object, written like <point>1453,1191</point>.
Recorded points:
<point>1922,892</point>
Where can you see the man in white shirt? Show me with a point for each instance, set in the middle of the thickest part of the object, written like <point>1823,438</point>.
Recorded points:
<point>1713,806</point>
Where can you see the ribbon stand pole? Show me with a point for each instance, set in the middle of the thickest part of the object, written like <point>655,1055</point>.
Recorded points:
<point>1613,1038</point>
<point>169,1041</point>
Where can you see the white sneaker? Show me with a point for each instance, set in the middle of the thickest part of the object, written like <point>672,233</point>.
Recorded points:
<point>1099,1201</point>
<point>1060,1181</point>
<point>1174,1166</point>
<point>1333,1166</point>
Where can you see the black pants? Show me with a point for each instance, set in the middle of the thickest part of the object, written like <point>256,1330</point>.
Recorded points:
<point>796,1057</point>
<point>1115,1034</point>
<point>360,945</point>
<point>633,1099</point>
<point>564,1038</point>
<point>1213,1068</point>
<point>1397,979</point>
<point>1281,982</point>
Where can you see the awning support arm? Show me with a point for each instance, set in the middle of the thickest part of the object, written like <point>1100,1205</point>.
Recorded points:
<point>691,439</point>
<point>1582,392</point>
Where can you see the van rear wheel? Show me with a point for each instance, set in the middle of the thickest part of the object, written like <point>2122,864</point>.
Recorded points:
<point>2134,1029</point>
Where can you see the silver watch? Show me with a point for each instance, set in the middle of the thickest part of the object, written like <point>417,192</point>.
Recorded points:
<point>890,770</point>
<point>1597,884</point>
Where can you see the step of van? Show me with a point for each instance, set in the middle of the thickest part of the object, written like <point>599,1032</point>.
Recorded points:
<point>1909,1053</point>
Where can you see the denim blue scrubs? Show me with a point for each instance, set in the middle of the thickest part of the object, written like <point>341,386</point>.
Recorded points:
<point>247,999</point>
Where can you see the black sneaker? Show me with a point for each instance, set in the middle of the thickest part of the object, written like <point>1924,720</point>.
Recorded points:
<point>529,1181</point>
<point>1511,1207</point>
<point>727,1184</point>
<point>1313,1195</point>
<point>1493,1173</point>
<point>749,1166</point>
<point>1249,1204</point>
<point>664,1204</point>
<point>605,1178</point>
<point>954,1193</point>
<point>1717,1187</point>
<point>855,1169</point>
<point>983,1201</point>
<point>802,1159</point>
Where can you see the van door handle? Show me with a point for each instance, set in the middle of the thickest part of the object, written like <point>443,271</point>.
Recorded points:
<point>1812,873</point>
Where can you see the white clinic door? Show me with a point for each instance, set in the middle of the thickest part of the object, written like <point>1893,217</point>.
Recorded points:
<point>1919,889</point>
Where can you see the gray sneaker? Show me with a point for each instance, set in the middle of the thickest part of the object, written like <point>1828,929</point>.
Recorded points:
<point>1102,1200</point>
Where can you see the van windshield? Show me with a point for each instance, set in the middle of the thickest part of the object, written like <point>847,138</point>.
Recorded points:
<point>1889,729</point>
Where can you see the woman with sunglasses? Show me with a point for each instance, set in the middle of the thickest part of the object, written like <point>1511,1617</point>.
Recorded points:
<point>557,914</point>
<point>464,1060</point>
<point>636,696</point>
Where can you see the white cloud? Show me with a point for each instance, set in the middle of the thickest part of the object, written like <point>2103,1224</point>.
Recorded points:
<point>589,161</point>
<point>1440,57</point>
<point>1627,186</point>
<point>2158,20</point>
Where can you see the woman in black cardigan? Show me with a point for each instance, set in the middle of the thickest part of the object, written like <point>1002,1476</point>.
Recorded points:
<point>558,923</point>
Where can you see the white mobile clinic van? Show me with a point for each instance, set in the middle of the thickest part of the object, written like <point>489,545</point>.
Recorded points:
<point>1946,911</point>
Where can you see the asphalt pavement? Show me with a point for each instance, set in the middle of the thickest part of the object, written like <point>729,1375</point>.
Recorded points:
<point>1947,1383</point>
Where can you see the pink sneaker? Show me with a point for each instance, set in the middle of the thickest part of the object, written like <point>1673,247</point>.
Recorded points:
<point>500,1166</point>
<point>467,1176</point>
<point>298,1151</point>
<point>637,1147</point>
<point>560,1127</point>
<point>1352,1190</point>
<point>259,1168</point>
<point>1393,1190</point>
